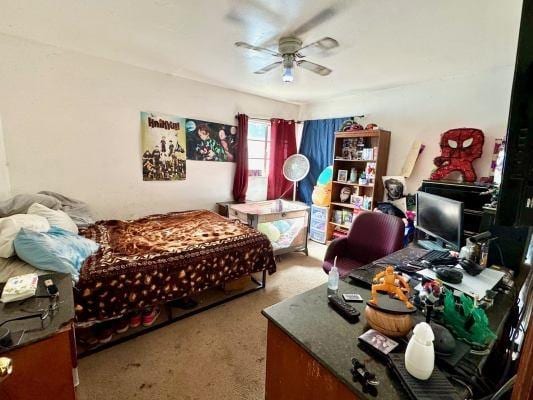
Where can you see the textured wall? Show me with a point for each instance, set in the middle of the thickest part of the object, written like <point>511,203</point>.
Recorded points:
<point>71,125</point>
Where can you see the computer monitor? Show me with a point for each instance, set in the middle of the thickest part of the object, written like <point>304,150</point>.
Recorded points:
<point>441,218</point>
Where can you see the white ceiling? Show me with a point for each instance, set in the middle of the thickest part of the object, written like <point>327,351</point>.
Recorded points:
<point>383,43</point>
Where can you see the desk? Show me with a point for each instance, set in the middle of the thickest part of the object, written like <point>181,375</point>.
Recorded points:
<point>43,361</point>
<point>309,347</point>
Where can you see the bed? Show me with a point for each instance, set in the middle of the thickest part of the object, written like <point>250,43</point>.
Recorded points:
<point>164,257</point>
<point>160,258</point>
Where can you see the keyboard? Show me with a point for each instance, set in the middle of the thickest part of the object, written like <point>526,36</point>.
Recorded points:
<point>365,274</point>
<point>433,255</point>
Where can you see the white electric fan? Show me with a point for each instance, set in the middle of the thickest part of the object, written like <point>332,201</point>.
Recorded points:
<point>295,168</point>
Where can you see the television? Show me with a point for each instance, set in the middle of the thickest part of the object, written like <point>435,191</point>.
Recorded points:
<point>441,219</point>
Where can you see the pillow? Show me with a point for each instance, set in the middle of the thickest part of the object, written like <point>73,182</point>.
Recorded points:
<point>20,203</point>
<point>394,188</point>
<point>10,226</point>
<point>56,250</point>
<point>55,217</point>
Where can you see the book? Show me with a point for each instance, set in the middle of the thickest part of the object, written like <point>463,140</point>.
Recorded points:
<point>19,288</point>
<point>337,216</point>
<point>347,218</point>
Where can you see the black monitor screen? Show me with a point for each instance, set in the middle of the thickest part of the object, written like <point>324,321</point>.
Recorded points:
<point>440,217</point>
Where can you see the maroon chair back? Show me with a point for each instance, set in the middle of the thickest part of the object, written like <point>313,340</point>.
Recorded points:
<point>374,235</point>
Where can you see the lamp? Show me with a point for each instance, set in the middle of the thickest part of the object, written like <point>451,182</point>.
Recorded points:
<point>288,67</point>
<point>287,75</point>
<point>420,353</point>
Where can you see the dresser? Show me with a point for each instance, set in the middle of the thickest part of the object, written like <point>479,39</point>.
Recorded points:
<point>473,196</point>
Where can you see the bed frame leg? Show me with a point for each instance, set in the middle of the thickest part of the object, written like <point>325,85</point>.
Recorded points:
<point>168,309</point>
<point>262,283</point>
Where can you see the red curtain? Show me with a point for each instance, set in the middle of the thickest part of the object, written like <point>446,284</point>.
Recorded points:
<point>240,182</point>
<point>282,145</point>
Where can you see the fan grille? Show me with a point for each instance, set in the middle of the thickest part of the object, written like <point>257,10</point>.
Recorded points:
<point>296,167</point>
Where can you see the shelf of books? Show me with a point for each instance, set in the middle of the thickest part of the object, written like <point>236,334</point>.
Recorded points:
<point>359,163</point>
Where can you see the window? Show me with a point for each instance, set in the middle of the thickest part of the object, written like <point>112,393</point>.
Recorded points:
<point>258,159</point>
<point>258,148</point>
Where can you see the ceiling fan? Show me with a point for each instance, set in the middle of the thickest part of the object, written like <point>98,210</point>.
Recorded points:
<point>289,49</point>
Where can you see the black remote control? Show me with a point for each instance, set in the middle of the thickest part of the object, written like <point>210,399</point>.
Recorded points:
<point>345,310</point>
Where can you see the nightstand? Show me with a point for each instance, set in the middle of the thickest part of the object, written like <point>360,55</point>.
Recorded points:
<point>44,353</point>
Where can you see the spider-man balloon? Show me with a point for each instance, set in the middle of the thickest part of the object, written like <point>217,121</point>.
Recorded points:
<point>459,147</point>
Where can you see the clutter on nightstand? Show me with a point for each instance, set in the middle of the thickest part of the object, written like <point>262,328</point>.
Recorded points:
<point>19,288</point>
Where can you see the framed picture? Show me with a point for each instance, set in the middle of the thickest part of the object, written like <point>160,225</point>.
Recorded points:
<point>378,341</point>
<point>342,175</point>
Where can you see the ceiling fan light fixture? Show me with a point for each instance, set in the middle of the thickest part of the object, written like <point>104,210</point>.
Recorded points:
<point>288,75</point>
<point>289,51</point>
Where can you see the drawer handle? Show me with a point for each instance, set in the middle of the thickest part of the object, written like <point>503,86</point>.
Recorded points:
<point>6,367</point>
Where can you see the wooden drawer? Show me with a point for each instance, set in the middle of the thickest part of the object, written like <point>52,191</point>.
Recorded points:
<point>317,235</point>
<point>319,213</point>
<point>42,370</point>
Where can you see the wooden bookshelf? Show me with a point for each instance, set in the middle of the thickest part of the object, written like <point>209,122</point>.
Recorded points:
<point>340,225</point>
<point>352,184</point>
<point>346,205</point>
<point>379,141</point>
<point>353,161</point>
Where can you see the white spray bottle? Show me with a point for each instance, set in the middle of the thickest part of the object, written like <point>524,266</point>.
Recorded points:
<point>333,277</point>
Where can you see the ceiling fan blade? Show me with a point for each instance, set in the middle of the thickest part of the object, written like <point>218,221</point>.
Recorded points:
<point>317,69</point>
<point>323,16</point>
<point>318,19</point>
<point>325,43</point>
<point>253,13</point>
<point>256,48</point>
<point>268,67</point>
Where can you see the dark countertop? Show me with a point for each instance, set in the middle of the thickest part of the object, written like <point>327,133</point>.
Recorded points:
<point>33,330</point>
<point>331,340</point>
<point>315,326</point>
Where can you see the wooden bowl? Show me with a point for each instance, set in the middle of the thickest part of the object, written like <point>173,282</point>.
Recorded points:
<point>393,325</point>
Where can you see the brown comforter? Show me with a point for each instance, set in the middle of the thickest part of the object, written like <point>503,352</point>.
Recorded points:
<point>164,257</point>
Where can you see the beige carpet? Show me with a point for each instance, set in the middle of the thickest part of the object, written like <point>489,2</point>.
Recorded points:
<point>218,354</point>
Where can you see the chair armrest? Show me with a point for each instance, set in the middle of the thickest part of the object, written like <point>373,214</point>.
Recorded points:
<point>336,248</point>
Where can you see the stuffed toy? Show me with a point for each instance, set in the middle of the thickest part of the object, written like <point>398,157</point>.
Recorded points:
<point>350,125</point>
<point>459,148</point>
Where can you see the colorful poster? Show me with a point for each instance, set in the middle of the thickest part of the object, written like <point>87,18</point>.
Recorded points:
<point>163,147</point>
<point>209,141</point>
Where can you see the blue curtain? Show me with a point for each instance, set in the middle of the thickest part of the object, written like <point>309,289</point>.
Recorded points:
<point>318,137</point>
